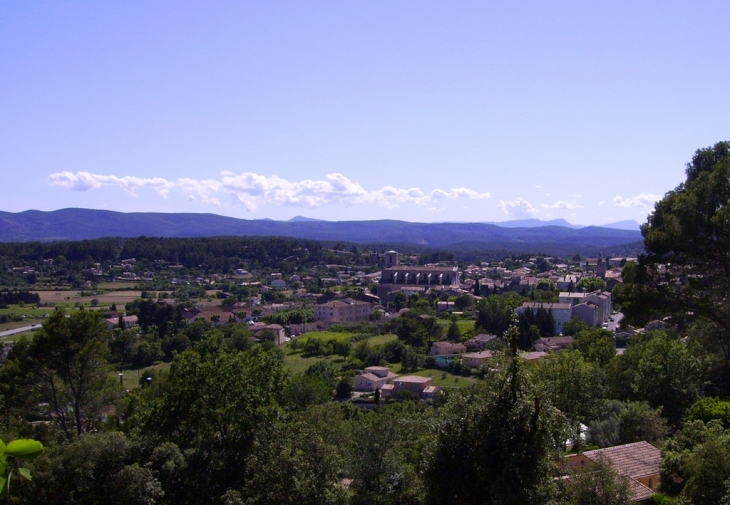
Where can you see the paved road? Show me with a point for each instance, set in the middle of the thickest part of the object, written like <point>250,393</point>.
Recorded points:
<point>8,333</point>
<point>613,325</point>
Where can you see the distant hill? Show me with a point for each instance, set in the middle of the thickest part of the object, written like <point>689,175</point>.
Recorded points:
<point>623,225</point>
<point>536,223</point>
<point>297,219</point>
<point>79,224</point>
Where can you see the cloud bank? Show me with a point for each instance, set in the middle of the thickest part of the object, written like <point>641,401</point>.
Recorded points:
<point>641,200</point>
<point>251,190</point>
<point>519,208</point>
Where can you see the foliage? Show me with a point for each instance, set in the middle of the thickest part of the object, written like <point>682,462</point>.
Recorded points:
<point>596,484</point>
<point>696,464</point>
<point>659,369</point>
<point>591,284</point>
<point>63,374</point>
<point>494,313</point>
<point>495,444</point>
<point>596,345</point>
<point>21,449</point>
<point>708,409</point>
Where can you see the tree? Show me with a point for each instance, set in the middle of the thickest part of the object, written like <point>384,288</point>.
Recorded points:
<point>591,283</point>
<point>495,444</point>
<point>659,369</point>
<point>596,484</point>
<point>291,464</point>
<point>67,371</point>
<point>685,272</point>
<point>596,345</point>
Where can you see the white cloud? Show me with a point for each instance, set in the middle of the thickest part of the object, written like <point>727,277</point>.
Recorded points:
<point>84,181</point>
<point>563,204</point>
<point>517,208</point>
<point>602,202</point>
<point>577,196</point>
<point>252,190</point>
<point>641,200</point>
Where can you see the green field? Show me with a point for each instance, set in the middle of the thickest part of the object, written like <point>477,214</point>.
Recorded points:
<point>297,363</point>
<point>463,324</point>
<point>131,376</point>
<point>440,377</point>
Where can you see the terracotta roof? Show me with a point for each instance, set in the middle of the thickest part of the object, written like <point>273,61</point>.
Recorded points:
<point>640,459</point>
<point>639,491</point>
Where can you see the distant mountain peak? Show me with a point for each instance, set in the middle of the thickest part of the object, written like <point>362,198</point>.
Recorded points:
<point>536,223</point>
<point>298,219</point>
<point>628,224</point>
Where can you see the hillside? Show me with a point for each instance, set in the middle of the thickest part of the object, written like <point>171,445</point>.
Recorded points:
<point>79,224</point>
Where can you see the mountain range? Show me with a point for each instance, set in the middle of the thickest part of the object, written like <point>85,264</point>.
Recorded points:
<point>80,224</point>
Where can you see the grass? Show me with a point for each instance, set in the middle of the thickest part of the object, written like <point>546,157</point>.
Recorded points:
<point>463,324</point>
<point>298,363</point>
<point>116,285</point>
<point>440,378</point>
<point>130,377</point>
<point>382,339</point>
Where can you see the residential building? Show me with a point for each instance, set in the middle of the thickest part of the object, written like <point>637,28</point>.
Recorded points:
<point>561,312</point>
<point>413,383</point>
<point>476,359</point>
<point>639,462</point>
<point>602,300</point>
<point>345,311</point>
<point>553,343</point>
<point>374,377</point>
<point>479,341</point>
<point>446,348</point>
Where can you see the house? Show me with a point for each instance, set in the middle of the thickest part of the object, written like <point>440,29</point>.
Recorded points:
<point>589,313</point>
<point>446,348</point>
<point>345,310</point>
<point>639,462</point>
<point>129,321</point>
<point>479,341</point>
<point>374,377</point>
<point>278,283</point>
<point>553,343</point>
<point>602,300</point>
<point>413,383</point>
<point>476,359</point>
<point>561,312</point>
<point>445,306</point>
<point>533,356</point>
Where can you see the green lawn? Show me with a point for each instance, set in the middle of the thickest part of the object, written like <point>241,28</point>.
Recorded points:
<point>440,377</point>
<point>131,376</point>
<point>298,363</point>
<point>463,324</point>
<point>382,339</point>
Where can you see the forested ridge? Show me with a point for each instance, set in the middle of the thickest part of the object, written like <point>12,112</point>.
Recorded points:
<point>229,423</point>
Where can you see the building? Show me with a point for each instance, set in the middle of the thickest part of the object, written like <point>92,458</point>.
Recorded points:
<point>344,311</point>
<point>479,341</point>
<point>639,462</point>
<point>413,383</point>
<point>601,299</point>
<point>394,276</point>
<point>561,312</point>
<point>446,348</point>
<point>476,359</point>
<point>553,343</point>
<point>374,377</point>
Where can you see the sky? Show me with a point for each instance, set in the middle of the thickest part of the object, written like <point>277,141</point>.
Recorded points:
<point>420,111</point>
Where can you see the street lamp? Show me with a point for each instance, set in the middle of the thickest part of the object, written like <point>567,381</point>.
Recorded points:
<point>149,381</point>
<point>121,379</point>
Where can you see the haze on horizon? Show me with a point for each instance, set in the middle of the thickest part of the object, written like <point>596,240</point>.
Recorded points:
<point>423,111</point>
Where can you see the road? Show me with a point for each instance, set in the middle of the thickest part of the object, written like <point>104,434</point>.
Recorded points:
<point>14,331</point>
<point>613,325</point>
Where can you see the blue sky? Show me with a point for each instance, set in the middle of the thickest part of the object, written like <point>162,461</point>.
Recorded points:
<point>421,111</point>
